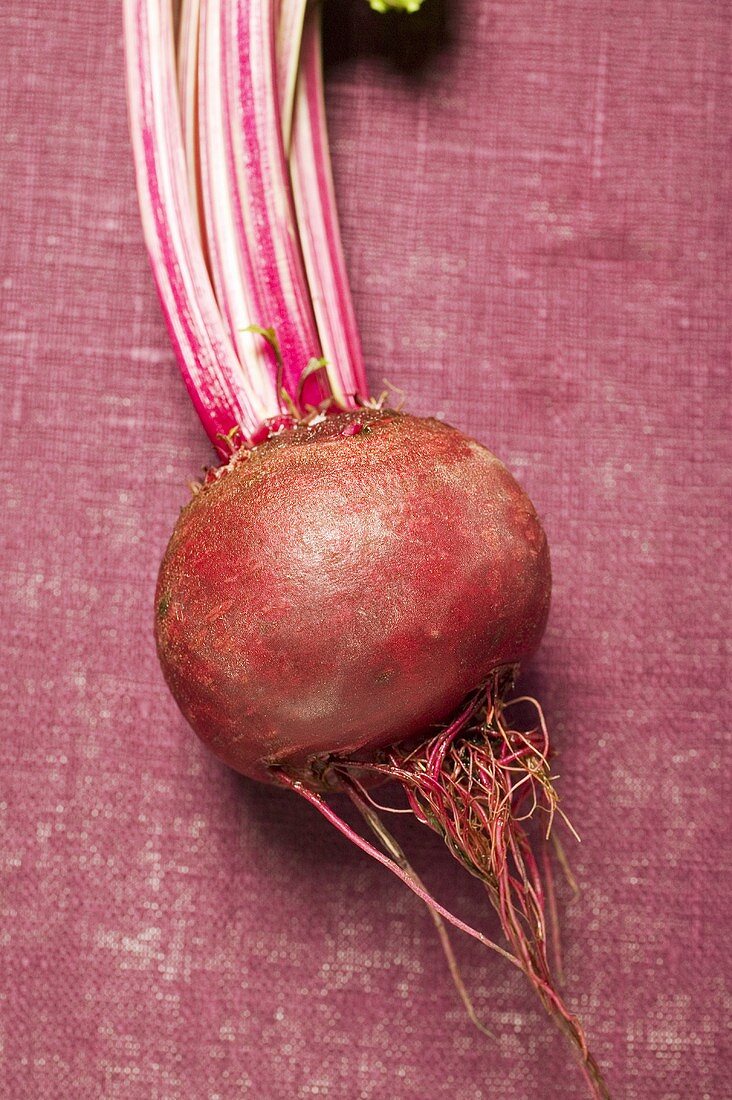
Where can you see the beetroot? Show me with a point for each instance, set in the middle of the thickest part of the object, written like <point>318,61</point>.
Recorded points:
<point>347,600</point>
<point>343,587</point>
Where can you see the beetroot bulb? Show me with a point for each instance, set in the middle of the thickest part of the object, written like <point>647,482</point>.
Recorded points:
<point>349,602</point>
<point>348,598</point>
<point>344,587</point>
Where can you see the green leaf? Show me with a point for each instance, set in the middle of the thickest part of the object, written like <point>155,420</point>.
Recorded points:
<point>312,367</point>
<point>269,335</point>
<point>396,5</point>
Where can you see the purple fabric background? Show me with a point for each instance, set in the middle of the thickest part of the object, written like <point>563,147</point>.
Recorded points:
<point>535,213</point>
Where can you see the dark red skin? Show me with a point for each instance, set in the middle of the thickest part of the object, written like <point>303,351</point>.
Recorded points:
<point>343,587</point>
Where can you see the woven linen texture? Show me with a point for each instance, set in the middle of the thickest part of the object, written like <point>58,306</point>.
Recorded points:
<point>535,204</point>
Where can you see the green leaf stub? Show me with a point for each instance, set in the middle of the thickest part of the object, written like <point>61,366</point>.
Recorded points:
<point>396,5</point>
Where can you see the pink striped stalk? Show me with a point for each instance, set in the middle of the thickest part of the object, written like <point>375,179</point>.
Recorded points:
<point>290,18</point>
<point>229,257</point>
<point>317,218</point>
<point>187,57</point>
<point>220,386</point>
<point>248,162</point>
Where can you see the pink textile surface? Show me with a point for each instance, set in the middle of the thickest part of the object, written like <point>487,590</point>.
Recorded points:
<point>535,204</point>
